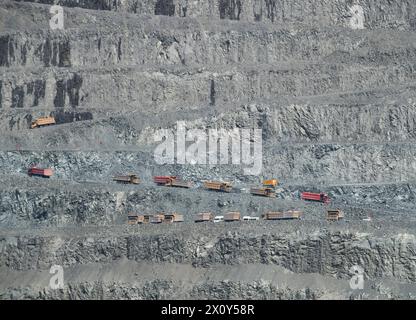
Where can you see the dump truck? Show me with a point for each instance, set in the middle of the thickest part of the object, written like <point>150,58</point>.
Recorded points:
<point>43,121</point>
<point>174,217</point>
<point>218,186</point>
<point>311,196</point>
<point>157,218</point>
<point>334,215</point>
<point>135,219</point>
<point>171,181</point>
<point>204,217</point>
<point>232,216</point>
<point>270,183</point>
<point>131,178</point>
<point>265,192</point>
<point>45,173</point>
<point>163,180</point>
<point>273,215</point>
<point>286,215</point>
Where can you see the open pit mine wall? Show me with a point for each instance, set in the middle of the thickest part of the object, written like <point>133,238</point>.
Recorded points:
<point>52,88</point>
<point>326,253</point>
<point>294,122</point>
<point>167,43</point>
<point>377,13</point>
<point>172,42</point>
<point>163,290</point>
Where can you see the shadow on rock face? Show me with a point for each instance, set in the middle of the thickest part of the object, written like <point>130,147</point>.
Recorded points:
<point>230,9</point>
<point>165,8</point>
<point>70,116</point>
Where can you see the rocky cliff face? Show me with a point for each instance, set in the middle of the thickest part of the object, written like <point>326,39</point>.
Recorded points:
<point>295,252</point>
<point>164,290</point>
<point>166,88</point>
<point>198,42</point>
<point>328,253</point>
<point>330,84</point>
<point>400,14</point>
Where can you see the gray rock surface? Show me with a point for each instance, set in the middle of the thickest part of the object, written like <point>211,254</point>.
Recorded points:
<point>336,105</point>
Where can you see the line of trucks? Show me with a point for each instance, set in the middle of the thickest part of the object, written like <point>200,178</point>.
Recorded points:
<point>268,190</point>
<point>133,219</point>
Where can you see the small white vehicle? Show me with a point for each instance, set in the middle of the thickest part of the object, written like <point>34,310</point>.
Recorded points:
<point>248,218</point>
<point>218,218</point>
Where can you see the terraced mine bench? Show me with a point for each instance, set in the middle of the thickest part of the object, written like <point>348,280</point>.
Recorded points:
<point>331,87</point>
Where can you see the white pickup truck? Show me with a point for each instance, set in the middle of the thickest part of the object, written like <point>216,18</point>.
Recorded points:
<point>248,218</point>
<point>218,218</point>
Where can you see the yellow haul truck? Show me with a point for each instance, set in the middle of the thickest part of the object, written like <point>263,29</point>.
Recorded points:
<point>204,217</point>
<point>218,186</point>
<point>232,216</point>
<point>280,215</point>
<point>334,215</point>
<point>131,178</point>
<point>272,183</point>
<point>265,192</point>
<point>43,121</point>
